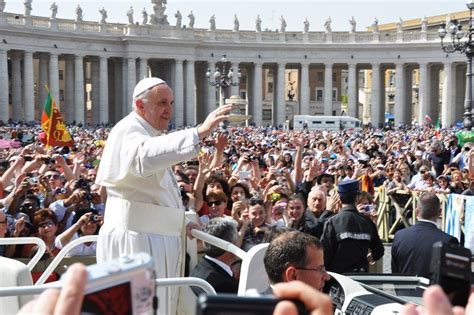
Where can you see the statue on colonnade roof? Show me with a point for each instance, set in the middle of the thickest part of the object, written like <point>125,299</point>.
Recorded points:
<point>282,24</point>
<point>79,16</point>
<point>103,13</point>
<point>236,23</point>
<point>2,5</point>
<point>28,7</point>
<point>424,24</point>
<point>212,23</point>
<point>375,25</point>
<point>258,24</point>
<point>159,16</point>
<point>54,10</point>
<point>306,25</point>
<point>353,25</point>
<point>327,25</point>
<point>130,15</point>
<point>191,19</point>
<point>144,17</point>
<point>399,25</point>
<point>179,19</point>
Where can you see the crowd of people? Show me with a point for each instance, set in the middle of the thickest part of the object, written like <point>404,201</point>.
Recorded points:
<point>259,177</point>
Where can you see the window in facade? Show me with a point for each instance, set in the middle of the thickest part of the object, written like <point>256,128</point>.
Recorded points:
<point>319,76</point>
<point>267,114</point>
<point>319,95</point>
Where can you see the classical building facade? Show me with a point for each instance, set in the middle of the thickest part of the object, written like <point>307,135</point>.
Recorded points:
<point>91,68</point>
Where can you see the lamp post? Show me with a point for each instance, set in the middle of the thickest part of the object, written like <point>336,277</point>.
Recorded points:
<point>461,42</point>
<point>223,77</point>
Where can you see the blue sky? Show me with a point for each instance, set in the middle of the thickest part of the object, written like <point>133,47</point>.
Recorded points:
<point>294,11</point>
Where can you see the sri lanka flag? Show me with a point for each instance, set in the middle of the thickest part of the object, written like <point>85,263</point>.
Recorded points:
<point>53,125</point>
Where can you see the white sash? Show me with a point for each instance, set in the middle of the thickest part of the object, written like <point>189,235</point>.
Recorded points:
<point>143,217</point>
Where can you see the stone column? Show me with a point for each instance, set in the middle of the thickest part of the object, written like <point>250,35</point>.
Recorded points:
<point>43,80</point>
<point>126,104</point>
<point>377,112</point>
<point>17,90</point>
<point>143,71</point>
<point>280,104</point>
<point>29,96</point>
<point>4,101</point>
<point>54,77</point>
<point>132,80</point>
<point>409,94</point>
<point>400,95</point>
<point>211,103</point>
<point>434,71</point>
<point>118,89</point>
<point>460,71</point>
<point>234,90</point>
<point>190,93</point>
<point>328,89</point>
<point>304,89</point>
<point>104,90</point>
<point>201,91</point>
<point>96,87</point>
<point>69,86</point>
<point>257,94</point>
<point>178,94</point>
<point>79,106</point>
<point>367,96</point>
<point>352,101</point>
<point>448,103</point>
<point>424,96</point>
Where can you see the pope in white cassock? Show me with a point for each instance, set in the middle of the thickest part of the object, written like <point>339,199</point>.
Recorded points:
<point>144,212</point>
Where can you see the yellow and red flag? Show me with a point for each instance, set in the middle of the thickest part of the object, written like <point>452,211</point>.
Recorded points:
<point>53,125</point>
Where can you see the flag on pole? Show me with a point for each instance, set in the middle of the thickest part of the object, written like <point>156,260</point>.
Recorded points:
<point>438,128</point>
<point>53,125</point>
<point>428,119</point>
<point>438,123</point>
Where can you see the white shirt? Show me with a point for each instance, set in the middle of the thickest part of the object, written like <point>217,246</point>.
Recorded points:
<point>429,221</point>
<point>221,264</point>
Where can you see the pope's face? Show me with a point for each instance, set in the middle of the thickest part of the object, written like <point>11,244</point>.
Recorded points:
<point>158,109</point>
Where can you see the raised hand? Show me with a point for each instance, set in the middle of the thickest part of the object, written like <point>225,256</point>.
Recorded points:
<point>213,120</point>
<point>221,142</point>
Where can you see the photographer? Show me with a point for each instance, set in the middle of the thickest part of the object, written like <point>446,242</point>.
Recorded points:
<point>81,198</point>
<point>85,222</point>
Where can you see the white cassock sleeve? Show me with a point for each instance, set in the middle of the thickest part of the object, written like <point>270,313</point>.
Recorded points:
<point>130,148</point>
<point>161,152</point>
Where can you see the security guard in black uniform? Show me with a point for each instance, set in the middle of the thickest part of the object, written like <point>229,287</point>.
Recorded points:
<point>348,236</point>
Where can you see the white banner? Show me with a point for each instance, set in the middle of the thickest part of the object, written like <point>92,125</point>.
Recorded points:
<point>469,223</point>
<point>453,212</point>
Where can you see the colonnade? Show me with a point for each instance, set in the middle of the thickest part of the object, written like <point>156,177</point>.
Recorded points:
<point>112,80</point>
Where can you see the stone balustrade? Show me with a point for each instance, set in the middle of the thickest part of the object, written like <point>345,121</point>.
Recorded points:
<point>165,31</point>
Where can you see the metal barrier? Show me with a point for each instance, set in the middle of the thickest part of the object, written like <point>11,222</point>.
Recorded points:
<point>59,257</point>
<point>385,203</point>
<point>189,282</point>
<point>37,289</point>
<point>27,240</point>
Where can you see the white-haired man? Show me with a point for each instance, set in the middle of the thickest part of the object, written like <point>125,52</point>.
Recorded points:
<point>144,212</point>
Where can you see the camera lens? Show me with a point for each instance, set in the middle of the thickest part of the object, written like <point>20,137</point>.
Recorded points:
<point>94,218</point>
